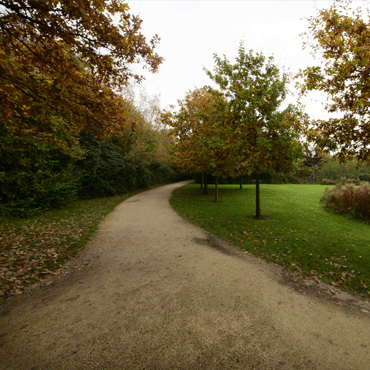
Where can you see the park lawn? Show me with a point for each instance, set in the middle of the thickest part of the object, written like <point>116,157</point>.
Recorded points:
<point>298,232</point>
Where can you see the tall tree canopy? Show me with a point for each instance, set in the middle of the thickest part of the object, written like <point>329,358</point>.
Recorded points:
<point>261,138</point>
<point>150,139</point>
<point>62,66</point>
<point>198,144</point>
<point>340,37</point>
<point>191,129</point>
<point>62,63</point>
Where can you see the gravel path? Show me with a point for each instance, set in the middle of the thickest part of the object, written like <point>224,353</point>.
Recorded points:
<point>152,291</point>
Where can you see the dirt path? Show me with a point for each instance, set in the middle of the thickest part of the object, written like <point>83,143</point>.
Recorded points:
<point>152,291</point>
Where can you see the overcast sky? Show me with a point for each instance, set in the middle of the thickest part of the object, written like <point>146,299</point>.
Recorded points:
<point>192,31</point>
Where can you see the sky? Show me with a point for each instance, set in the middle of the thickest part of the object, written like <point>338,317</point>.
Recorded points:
<point>192,31</point>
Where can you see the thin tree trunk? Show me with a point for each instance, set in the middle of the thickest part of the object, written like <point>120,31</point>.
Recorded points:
<point>201,184</point>
<point>241,182</point>
<point>216,189</point>
<point>313,174</point>
<point>258,207</point>
<point>205,187</point>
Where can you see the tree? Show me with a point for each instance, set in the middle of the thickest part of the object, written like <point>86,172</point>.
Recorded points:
<point>62,63</point>
<point>149,140</point>
<point>198,144</point>
<point>312,161</point>
<point>260,137</point>
<point>341,38</point>
<point>186,125</point>
<point>85,27</point>
<point>333,170</point>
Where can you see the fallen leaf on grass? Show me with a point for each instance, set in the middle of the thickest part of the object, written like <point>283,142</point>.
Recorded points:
<point>48,272</point>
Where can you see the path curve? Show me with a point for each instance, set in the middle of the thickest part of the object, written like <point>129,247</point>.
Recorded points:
<point>152,291</point>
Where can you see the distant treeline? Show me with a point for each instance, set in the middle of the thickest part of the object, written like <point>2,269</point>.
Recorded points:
<point>266,178</point>
<point>329,172</point>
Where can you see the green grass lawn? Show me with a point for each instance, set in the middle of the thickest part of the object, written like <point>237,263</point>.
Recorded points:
<point>297,233</point>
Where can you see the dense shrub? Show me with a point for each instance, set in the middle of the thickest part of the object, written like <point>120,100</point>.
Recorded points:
<point>163,173</point>
<point>334,170</point>
<point>348,198</point>
<point>26,194</point>
<point>364,177</point>
<point>344,181</point>
<point>328,182</point>
<point>292,179</point>
<point>104,171</point>
<point>362,200</point>
<point>34,176</point>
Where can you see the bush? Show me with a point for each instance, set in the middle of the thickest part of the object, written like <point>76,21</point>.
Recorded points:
<point>364,177</point>
<point>350,199</point>
<point>28,193</point>
<point>36,176</point>
<point>163,174</point>
<point>362,200</point>
<point>34,179</point>
<point>343,181</point>
<point>105,171</point>
<point>328,182</point>
<point>350,169</point>
<point>99,173</point>
<point>36,168</point>
<point>279,178</point>
<point>292,179</point>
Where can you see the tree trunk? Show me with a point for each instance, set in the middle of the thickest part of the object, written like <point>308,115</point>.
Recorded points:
<point>216,189</point>
<point>201,184</point>
<point>258,207</point>
<point>241,182</point>
<point>205,187</point>
<point>313,174</point>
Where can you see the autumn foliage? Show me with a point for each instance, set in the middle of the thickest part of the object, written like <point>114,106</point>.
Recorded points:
<point>197,144</point>
<point>60,62</point>
<point>339,39</point>
<point>63,65</point>
<point>239,127</point>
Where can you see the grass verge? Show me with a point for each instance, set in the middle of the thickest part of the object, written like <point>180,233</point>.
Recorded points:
<point>33,248</point>
<point>297,233</point>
